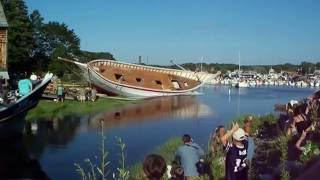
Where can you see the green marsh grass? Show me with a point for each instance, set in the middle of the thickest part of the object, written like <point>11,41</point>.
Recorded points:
<point>283,144</point>
<point>48,109</point>
<point>94,171</point>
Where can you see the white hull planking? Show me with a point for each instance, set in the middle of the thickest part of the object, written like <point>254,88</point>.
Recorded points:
<point>100,82</point>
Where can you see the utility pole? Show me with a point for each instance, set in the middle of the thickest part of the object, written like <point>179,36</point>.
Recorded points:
<point>140,59</point>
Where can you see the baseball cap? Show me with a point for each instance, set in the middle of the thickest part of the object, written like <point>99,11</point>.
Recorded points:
<point>239,135</point>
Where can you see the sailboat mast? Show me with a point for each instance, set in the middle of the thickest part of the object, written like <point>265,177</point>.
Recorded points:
<point>239,61</point>
<point>201,64</point>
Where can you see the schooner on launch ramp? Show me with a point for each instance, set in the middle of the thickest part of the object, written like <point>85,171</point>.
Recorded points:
<point>139,81</point>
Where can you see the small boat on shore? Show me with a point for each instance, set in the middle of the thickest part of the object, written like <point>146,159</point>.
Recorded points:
<point>139,81</point>
<point>26,102</point>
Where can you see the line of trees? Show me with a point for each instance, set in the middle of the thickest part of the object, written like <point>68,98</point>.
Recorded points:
<point>303,68</point>
<point>34,45</point>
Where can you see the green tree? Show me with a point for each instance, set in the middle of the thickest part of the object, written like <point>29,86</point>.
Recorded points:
<point>61,41</point>
<point>20,36</point>
<point>317,65</point>
<point>39,57</point>
<point>88,56</point>
<point>59,34</point>
<point>307,67</point>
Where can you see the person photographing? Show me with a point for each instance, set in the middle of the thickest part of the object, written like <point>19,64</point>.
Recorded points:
<point>189,154</point>
<point>236,153</point>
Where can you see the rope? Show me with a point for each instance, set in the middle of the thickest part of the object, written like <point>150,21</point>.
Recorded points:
<point>89,77</point>
<point>76,73</point>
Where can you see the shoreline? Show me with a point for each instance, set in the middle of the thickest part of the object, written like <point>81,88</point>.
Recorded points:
<point>48,109</point>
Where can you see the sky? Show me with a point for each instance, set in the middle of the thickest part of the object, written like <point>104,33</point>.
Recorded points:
<point>264,32</point>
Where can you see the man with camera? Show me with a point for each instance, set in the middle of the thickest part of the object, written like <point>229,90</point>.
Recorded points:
<point>189,155</point>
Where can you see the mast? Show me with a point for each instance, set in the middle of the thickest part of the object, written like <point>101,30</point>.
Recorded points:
<point>182,68</point>
<point>201,64</point>
<point>239,61</point>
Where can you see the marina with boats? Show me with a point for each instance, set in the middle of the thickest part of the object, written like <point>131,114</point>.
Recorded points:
<point>254,79</point>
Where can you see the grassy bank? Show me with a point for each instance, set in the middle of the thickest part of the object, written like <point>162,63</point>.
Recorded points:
<point>168,149</point>
<point>270,159</point>
<point>275,155</point>
<point>48,109</point>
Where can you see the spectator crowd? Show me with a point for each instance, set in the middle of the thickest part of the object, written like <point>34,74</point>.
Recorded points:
<point>231,146</point>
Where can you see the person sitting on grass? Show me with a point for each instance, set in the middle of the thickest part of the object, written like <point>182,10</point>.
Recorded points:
<point>236,154</point>
<point>289,127</point>
<point>300,140</point>
<point>176,173</point>
<point>154,167</point>
<point>189,154</point>
<point>303,136</point>
<point>301,120</point>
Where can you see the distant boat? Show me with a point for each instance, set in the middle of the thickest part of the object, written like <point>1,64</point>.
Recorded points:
<point>239,83</point>
<point>24,103</point>
<point>139,81</point>
<point>242,84</point>
<point>252,83</point>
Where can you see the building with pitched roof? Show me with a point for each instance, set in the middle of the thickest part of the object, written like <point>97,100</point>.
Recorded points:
<point>3,44</point>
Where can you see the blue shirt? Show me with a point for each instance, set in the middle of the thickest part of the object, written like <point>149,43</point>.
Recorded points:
<point>25,87</point>
<point>189,154</point>
<point>60,90</point>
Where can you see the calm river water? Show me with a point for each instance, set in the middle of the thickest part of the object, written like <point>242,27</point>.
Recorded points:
<point>60,143</point>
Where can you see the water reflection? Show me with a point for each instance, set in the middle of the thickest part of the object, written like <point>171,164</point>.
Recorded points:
<point>15,160</point>
<point>175,107</point>
<point>56,132</point>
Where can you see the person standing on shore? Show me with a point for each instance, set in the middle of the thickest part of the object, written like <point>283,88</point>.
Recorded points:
<point>82,94</point>
<point>60,93</point>
<point>247,129</point>
<point>216,145</point>
<point>236,154</point>
<point>189,155</point>
<point>93,94</point>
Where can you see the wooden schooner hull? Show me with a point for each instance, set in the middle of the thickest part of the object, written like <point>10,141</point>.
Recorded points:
<point>139,81</point>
